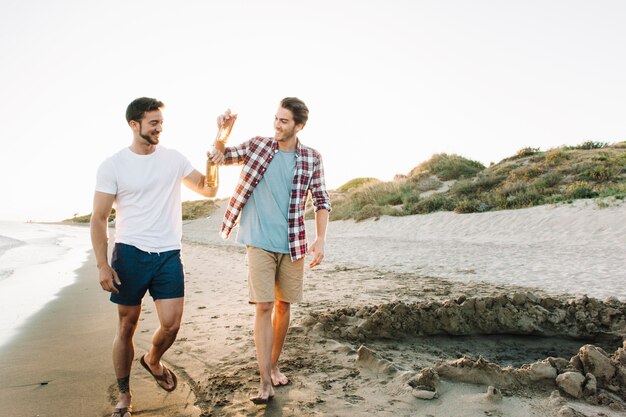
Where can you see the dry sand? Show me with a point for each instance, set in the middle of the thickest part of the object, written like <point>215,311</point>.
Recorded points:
<point>399,287</point>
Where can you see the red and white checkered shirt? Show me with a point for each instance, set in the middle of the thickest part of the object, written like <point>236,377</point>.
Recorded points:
<point>255,155</point>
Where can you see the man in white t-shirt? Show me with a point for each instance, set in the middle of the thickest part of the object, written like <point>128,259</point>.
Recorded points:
<point>143,182</point>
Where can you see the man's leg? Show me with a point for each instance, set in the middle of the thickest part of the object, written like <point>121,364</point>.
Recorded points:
<point>288,289</point>
<point>170,312</point>
<point>124,350</point>
<point>280,325</point>
<point>263,340</point>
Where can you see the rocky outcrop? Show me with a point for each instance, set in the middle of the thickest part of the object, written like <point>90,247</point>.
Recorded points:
<point>424,384</point>
<point>516,314</point>
<point>571,383</point>
<point>592,374</point>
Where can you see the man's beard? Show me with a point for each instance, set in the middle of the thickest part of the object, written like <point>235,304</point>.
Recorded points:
<point>150,139</point>
<point>284,135</point>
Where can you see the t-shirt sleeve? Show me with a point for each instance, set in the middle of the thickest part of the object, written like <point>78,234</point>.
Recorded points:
<point>105,178</point>
<point>187,168</point>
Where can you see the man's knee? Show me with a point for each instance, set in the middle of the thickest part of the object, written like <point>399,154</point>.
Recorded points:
<point>128,319</point>
<point>127,327</point>
<point>264,308</point>
<point>171,328</point>
<point>281,307</point>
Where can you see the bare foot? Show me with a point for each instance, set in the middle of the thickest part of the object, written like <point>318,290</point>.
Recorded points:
<point>278,378</point>
<point>265,394</point>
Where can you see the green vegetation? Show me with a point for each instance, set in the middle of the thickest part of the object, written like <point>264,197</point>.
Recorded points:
<point>356,183</point>
<point>87,218</point>
<point>531,177</point>
<point>448,167</point>
<point>191,210</point>
<point>198,209</point>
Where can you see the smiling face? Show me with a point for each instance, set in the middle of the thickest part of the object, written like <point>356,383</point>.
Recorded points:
<point>149,128</point>
<point>285,128</point>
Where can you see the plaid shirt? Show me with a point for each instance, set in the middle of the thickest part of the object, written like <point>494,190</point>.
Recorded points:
<point>255,155</point>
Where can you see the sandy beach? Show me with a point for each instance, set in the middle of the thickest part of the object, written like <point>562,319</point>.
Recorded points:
<point>440,306</point>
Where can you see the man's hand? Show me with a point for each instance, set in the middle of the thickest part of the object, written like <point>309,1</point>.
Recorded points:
<point>227,119</point>
<point>107,277</point>
<point>216,156</point>
<point>317,250</point>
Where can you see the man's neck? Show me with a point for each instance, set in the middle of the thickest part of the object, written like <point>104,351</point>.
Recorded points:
<point>288,145</point>
<point>141,147</point>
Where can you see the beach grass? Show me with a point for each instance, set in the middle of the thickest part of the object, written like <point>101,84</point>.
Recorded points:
<point>529,178</point>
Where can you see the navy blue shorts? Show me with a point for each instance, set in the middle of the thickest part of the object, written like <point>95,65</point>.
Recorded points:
<point>160,273</point>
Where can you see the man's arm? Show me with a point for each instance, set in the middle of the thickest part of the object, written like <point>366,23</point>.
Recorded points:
<point>321,201</point>
<point>195,182</point>
<point>102,205</point>
<point>317,248</point>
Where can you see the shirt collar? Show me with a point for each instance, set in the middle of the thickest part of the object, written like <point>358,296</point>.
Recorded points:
<point>299,146</point>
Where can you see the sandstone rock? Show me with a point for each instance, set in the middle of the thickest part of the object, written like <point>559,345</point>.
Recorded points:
<point>591,385</point>
<point>571,383</point>
<point>576,363</point>
<point>493,394</point>
<point>368,359</point>
<point>611,300</point>
<point>541,370</point>
<point>548,302</point>
<point>519,299</point>
<point>559,363</point>
<point>424,394</point>
<point>621,377</point>
<point>477,372</point>
<point>533,298</point>
<point>556,400</point>
<point>620,356</point>
<point>567,411</point>
<point>319,328</point>
<point>607,398</point>
<point>596,361</point>
<point>426,379</point>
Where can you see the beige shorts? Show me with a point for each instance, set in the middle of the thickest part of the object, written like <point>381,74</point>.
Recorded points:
<point>274,276</point>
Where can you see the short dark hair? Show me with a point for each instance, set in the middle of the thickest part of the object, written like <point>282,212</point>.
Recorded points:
<point>140,106</point>
<point>297,107</point>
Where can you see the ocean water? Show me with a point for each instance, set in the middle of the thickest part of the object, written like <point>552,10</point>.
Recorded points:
<point>36,262</point>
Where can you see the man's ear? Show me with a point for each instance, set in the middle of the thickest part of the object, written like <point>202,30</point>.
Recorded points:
<point>134,125</point>
<point>299,127</point>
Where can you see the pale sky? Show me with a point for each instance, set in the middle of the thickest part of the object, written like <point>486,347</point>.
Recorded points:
<point>388,83</point>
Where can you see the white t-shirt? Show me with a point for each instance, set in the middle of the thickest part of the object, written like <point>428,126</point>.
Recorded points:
<point>147,197</point>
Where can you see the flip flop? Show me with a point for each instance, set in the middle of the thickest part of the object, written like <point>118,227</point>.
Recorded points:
<point>162,377</point>
<point>122,412</point>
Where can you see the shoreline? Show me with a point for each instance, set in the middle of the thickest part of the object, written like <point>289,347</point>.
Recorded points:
<point>41,262</point>
<point>59,363</point>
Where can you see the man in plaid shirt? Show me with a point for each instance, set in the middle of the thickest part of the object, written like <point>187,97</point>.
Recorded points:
<point>269,201</point>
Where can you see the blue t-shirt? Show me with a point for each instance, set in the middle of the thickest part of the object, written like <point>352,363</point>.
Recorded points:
<point>264,221</point>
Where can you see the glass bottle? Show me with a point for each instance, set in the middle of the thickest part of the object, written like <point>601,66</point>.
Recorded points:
<point>212,170</point>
